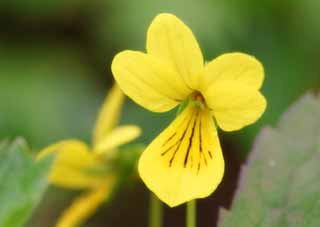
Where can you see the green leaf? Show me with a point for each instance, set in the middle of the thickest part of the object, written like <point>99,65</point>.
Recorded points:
<point>280,184</point>
<point>23,182</point>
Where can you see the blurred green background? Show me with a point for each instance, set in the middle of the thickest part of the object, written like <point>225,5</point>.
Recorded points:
<point>55,61</point>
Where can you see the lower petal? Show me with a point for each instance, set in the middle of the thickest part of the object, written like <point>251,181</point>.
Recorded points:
<point>185,161</point>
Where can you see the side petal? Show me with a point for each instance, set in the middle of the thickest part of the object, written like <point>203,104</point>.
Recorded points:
<point>72,165</point>
<point>233,67</point>
<point>118,136</point>
<point>109,114</point>
<point>83,207</point>
<point>171,40</point>
<point>234,105</point>
<point>150,82</point>
<point>185,161</point>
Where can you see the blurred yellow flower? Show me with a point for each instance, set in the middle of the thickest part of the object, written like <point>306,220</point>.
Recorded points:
<point>79,167</point>
<point>185,161</point>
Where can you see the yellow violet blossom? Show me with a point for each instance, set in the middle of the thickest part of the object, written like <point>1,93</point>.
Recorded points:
<point>185,161</point>
<point>79,167</point>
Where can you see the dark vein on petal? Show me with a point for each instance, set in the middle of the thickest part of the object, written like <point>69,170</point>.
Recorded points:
<point>168,140</point>
<point>201,151</point>
<point>200,145</point>
<point>175,133</point>
<point>205,160</point>
<point>190,141</point>
<point>169,148</point>
<point>180,142</point>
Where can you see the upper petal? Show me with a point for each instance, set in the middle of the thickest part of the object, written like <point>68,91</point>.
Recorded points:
<point>109,114</point>
<point>233,67</point>
<point>117,137</point>
<point>170,39</point>
<point>149,81</point>
<point>73,165</point>
<point>234,105</point>
<point>185,161</point>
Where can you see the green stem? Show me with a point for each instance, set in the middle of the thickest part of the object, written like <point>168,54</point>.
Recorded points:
<point>155,211</point>
<point>191,214</point>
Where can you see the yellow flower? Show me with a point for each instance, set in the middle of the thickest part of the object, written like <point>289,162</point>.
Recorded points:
<point>185,161</point>
<point>79,167</point>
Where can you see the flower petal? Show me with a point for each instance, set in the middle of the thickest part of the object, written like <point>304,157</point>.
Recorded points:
<point>150,82</point>
<point>234,105</point>
<point>117,137</point>
<point>171,40</point>
<point>72,165</point>
<point>83,207</point>
<point>109,114</point>
<point>185,161</point>
<point>233,67</point>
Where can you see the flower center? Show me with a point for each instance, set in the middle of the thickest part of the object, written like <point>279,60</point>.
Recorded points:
<point>198,100</point>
